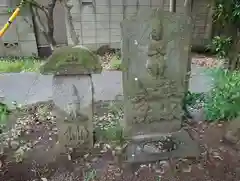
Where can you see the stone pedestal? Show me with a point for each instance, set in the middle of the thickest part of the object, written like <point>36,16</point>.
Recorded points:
<point>155,47</point>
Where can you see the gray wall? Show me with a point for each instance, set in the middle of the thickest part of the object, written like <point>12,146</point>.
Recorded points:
<point>98,21</point>
<point>19,40</point>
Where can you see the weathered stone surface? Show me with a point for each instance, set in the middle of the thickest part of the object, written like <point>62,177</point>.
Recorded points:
<point>155,58</point>
<point>74,96</point>
<point>232,134</point>
<point>72,61</point>
<point>155,48</point>
<point>197,115</point>
<point>176,145</point>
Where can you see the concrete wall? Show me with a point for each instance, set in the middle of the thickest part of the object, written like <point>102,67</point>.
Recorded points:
<point>19,39</point>
<point>60,33</point>
<point>202,18</point>
<point>97,22</point>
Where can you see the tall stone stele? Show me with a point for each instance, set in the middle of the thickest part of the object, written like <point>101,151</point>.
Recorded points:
<point>73,93</point>
<point>155,50</point>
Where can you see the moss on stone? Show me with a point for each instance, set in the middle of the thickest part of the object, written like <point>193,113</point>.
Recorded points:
<point>72,60</point>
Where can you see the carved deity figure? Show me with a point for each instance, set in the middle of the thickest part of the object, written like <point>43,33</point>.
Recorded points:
<point>156,51</point>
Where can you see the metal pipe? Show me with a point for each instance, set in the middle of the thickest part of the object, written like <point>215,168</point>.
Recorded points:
<point>11,19</point>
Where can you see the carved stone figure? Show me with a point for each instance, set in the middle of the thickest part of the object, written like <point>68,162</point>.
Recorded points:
<point>156,52</point>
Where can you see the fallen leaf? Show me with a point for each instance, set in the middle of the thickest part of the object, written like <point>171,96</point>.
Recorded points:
<point>86,155</point>
<point>94,159</point>
<point>69,157</point>
<point>19,154</point>
<point>187,169</point>
<point>217,156</point>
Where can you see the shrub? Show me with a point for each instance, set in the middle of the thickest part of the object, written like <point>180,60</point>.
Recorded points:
<point>220,46</point>
<point>223,101</point>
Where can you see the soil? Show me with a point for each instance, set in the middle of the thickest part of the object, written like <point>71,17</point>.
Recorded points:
<point>45,161</point>
<point>206,61</point>
<point>197,59</point>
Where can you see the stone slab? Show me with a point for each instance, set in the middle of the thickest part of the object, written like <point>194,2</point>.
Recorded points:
<point>187,148</point>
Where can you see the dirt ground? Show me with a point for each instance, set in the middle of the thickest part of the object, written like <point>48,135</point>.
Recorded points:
<point>198,59</point>
<point>206,60</point>
<point>42,159</point>
<point>44,162</point>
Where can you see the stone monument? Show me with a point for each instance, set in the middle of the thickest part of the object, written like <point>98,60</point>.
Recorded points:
<point>73,94</point>
<point>155,48</point>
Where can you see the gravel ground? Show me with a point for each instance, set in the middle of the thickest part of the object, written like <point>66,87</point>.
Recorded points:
<point>36,134</point>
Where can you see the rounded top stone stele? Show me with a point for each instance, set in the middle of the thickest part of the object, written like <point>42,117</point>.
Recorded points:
<point>72,60</point>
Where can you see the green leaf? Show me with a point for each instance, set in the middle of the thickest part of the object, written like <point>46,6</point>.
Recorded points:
<point>223,102</point>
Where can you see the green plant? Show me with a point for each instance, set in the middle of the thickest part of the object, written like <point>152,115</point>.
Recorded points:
<point>19,65</point>
<point>90,175</point>
<point>223,101</point>
<point>115,62</point>
<point>226,12</point>
<point>192,99</point>
<point>221,46</point>
<point>158,178</point>
<point>108,126</point>
<point>4,112</point>
<point>226,18</point>
<point>110,129</point>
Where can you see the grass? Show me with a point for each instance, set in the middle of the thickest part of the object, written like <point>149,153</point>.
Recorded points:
<point>16,65</point>
<point>107,126</point>
<point>115,62</point>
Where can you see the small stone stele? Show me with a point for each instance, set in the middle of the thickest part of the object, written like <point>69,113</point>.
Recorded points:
<point>73,94</point>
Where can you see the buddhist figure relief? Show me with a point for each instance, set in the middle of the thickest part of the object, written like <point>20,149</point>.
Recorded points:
<point>155,63</point>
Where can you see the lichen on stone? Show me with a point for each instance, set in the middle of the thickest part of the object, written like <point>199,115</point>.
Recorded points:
<point>70,60</point>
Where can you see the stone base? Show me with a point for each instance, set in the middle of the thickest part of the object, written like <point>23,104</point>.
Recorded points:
<point>185,147</point>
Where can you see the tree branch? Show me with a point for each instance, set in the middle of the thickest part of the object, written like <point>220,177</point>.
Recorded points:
<point>73,34</point>
<point>50,8</point>
<point>48,31</point>
<point>39,6</point>
<point>41,26</point>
